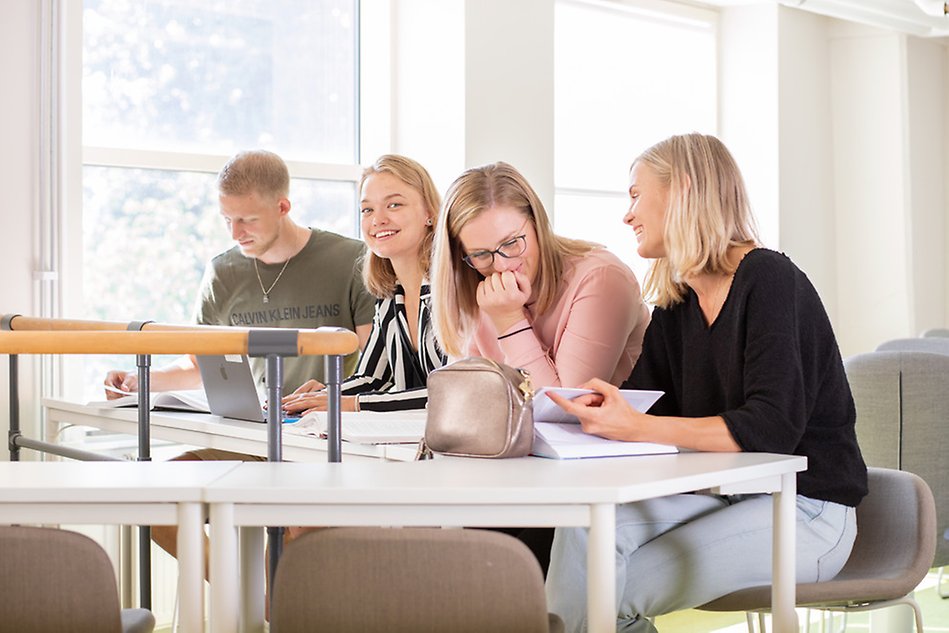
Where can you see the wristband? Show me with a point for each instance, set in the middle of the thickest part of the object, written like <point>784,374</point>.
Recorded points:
<point>523,329</point>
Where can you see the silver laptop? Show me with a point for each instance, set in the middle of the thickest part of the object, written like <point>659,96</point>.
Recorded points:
<point>230,388</point>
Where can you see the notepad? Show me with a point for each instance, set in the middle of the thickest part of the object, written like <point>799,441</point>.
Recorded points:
<point>366,427</point>
<point>568,441</point>
<point>558,435</point>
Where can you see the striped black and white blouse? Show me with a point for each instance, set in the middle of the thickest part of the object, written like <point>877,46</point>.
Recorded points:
<point>391,375</point>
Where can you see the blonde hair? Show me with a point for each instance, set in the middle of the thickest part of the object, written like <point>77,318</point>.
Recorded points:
<point>377,272</point>
<point>708,213</point>
<point>454,283</point>
<point>252,171</point>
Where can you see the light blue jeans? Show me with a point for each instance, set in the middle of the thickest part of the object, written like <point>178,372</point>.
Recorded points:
<point>679,552</point>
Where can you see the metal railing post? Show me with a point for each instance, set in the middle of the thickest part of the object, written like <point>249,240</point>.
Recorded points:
<point>333,374</point>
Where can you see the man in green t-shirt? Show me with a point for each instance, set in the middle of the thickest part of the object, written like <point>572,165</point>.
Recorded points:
<point>279,274</point>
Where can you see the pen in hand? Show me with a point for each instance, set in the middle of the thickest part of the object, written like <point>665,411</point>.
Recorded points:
<point>117,390</point>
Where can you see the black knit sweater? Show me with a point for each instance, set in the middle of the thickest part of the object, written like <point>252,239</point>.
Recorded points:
<point>769,365</point>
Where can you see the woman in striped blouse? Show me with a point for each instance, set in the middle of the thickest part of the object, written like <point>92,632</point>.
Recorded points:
<point>398,208</point>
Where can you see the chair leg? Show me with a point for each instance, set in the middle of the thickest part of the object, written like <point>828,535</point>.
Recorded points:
<point>919,615</point>
<point>750,621</point>
<point>942,594</point>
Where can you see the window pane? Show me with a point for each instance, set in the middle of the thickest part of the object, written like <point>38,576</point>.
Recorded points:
<point>217,76</point>
<point>624,81</point>
<point>326,205</point>
<point>600,219</point>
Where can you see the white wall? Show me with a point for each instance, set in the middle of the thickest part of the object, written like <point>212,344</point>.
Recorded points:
<point>840,131</point>
<point>19,66</point>
<point>926,202</point>
<point>870,182</point>
<point>473,84</point>
<point>805,150</point>
<point>748,112</point>
<point>945,182</point>
<point>509,88</point>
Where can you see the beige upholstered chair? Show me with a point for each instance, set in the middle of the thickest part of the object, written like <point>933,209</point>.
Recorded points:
<point>930,344</point>
<point>893,551</point>
<point>352,580</point>
<point>902,398</point>
<point>56,580</point>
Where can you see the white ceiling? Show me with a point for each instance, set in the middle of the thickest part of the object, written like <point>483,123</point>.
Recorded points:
<point>904,16</point>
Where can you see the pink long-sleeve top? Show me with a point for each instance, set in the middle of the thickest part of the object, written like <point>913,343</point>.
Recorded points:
<point>594,329</point>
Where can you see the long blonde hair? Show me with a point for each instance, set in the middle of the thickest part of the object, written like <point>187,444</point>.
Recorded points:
<point>377,272</point>
<point>454,283</point>
<point>708,213</point>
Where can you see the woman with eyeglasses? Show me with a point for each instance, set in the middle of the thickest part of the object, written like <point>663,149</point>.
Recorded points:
<point>505,287</point>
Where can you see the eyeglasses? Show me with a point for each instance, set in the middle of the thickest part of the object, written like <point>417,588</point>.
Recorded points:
<point>514,247</point>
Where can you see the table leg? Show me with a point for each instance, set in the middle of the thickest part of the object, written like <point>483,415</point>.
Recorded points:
<point>224,607</point>
<point>190,568</point>
<point>782,556</point>
<point>601,568</point>
<point>252,579</point>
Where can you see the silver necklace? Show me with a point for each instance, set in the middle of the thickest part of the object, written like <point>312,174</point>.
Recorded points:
<point>279,275</point>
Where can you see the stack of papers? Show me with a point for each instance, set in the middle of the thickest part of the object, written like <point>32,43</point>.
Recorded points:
<point>366,427</point>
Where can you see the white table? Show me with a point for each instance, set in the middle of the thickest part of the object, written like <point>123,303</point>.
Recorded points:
<point>471,492</point>
<point>130,493</point>
<point>212,431</point>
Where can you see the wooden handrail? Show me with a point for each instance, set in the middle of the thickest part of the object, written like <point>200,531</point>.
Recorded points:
<point>34,323</point>
<point>197,340</point>
<point>21,323</point>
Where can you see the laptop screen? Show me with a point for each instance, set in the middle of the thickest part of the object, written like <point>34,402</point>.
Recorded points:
<point>230,387</point>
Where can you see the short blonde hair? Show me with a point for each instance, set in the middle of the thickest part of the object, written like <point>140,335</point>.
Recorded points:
<point>708,212</point>
<point>252,171</point>
<point>454,283</point>
<point>377,272</point>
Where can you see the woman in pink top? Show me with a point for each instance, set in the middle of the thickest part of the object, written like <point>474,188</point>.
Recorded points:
<point>506,287</point>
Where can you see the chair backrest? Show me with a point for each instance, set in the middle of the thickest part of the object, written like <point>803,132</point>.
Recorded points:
<point>936,332</point>
<point>931,344</point>
<point>55,580</point>
<point>408,579</point>
<point>902,401</point>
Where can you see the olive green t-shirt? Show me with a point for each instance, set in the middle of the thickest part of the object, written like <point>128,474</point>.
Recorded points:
<point>321,286</point>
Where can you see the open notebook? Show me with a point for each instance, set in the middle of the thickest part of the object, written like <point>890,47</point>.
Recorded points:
<point>188,400</point>
<point>558,435</point>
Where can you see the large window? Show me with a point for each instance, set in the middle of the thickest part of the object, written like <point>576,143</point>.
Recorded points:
<point>627,74</point>
<point>170,89</point>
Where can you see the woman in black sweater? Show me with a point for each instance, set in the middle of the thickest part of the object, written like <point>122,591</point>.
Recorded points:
<point>745,353</point>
